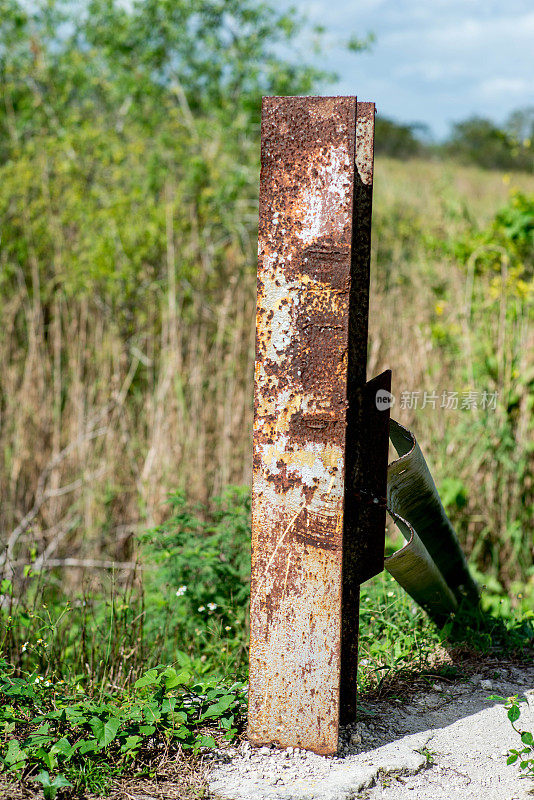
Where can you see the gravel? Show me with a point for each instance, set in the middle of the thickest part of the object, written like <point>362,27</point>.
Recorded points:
<point>449,743</point>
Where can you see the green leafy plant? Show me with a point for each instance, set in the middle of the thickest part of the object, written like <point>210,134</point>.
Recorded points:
<point>486,345</point>
<point>199,589</point>
<point>525,756</point>
<point>50,785</point>
<point>52,729</point>
<point>430,755</point>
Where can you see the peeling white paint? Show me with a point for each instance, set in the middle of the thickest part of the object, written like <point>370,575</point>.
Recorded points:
<point>322,193</point>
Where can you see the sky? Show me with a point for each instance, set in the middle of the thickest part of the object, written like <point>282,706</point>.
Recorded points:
<point>434,61</point>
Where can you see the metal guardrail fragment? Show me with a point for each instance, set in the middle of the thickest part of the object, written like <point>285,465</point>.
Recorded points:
<point>431,566</point>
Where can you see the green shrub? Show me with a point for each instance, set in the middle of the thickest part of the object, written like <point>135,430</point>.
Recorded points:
<point>198,592</point>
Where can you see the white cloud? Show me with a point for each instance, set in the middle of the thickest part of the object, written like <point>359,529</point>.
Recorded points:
<point>430,70</point>
<point>497,87</point>
<point>469,32</point>
<point>434,60</point>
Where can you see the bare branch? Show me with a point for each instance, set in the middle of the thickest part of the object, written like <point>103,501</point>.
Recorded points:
<point>84,563</point>
<point>41,495</point>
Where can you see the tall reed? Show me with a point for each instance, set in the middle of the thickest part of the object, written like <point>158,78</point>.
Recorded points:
<point>102,414</point>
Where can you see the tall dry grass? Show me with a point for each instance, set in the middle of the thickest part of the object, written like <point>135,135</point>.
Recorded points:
<point>98,426</point>
<point>442,325</point>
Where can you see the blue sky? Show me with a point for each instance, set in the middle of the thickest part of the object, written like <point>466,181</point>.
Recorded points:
<point>433,61</point>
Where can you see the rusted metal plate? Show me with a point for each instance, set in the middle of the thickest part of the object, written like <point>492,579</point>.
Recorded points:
<point>310,365</point>
<point>365,523</point>
<point>360,560</point>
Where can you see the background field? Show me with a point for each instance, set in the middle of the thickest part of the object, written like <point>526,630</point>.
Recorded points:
<point>110,404</point>
<point>129,163</point>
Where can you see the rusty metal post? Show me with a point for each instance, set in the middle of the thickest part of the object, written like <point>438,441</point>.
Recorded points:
<point>319,443</point>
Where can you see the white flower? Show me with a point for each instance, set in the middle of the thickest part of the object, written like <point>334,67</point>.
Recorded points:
<point>25,646</point>
<point>212,606</point>
<point>38,679</point>
<point>227,628</point>
<point>181,591</point>
<point>202,608</point>
<point>391,594</point>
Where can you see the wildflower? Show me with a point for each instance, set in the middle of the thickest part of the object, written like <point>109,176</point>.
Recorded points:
<point>227,628</point>
<point>38,679</point>
<point>391,594</point>
<point>212,606</point>
<point>181,591</point>
<point>202,608</point>
<point>25,646</point>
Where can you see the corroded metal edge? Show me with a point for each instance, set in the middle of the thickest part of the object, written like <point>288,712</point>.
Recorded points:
<point>364,530</point>
<point>304,294</point>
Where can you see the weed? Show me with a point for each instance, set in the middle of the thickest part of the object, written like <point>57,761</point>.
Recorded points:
<point>199,590</point>
<point>525,755</point>
<point>52,729</point>
<point>430,755</point>
<point>51,786</point>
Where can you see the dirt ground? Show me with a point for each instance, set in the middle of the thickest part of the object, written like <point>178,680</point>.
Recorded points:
<point>447,741</point>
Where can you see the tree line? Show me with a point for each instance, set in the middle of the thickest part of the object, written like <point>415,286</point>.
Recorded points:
<point>476,140</point>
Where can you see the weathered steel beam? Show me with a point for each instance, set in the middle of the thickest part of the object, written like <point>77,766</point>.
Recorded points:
<point>313,435</point>
<point>364,522</point>
<point>367,431</point>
